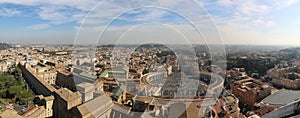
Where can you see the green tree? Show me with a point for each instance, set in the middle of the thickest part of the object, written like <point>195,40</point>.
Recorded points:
<point>146,71</point>
<point>26,96</point>
<point>18,73</point>
<point>11,88</point>
<point>14,90</point>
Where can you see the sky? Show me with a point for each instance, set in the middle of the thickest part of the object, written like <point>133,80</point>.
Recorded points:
<point>251,22</point>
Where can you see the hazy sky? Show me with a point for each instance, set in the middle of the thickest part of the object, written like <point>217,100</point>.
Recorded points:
<point>260,22</point>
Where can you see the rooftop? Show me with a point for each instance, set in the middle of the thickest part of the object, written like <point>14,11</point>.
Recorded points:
<point>118,91</point>
<point>67,94</point>
<point>282,97</point>
<point>81,77</point>
<point>9,113</point>
<point>85,85</point>
<point>145,99</point>
<point>96,106</point>
<point>251,83</point>
<point>49,98</point>
<point>35,112</point>
<point>122,109</point>
<point>104,74</point>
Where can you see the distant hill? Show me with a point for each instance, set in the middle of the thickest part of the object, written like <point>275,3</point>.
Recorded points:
<point>4,46</point>
<point>290,53</point>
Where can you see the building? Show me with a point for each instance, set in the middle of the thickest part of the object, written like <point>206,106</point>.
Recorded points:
<point>99,84</point>
<point>37,84</point>
<point>170,88</point>
<point>110,84</point>
<point>192,87</point>
<point>9,112</point>
<point>83,76</point>
<point>290,110</point>
<point>142,103</point>
<point>65,79</point>
<point>285,78</point>
<point>99,107</point>
<point>119,93</point>
<point>36,112</point>
<point>286,83</point>
<point>263,110</point>
<point>44,73</point>
<point>64,101</point>
<point>229,107</point>
<point>44,107</point>
<point>3,66</point>
<point>87,91</point>
<point>71,80</point>
<point>115,74</point>
<point>119,111</point>
<point>234,75</point>
<point>277,100</point>
<point>250,91</point>
<point>156,78</point>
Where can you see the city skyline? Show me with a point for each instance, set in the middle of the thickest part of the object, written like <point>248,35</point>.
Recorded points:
<point>57,22</point>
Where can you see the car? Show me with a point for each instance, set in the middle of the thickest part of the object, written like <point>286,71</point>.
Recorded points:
<point>23,109</point>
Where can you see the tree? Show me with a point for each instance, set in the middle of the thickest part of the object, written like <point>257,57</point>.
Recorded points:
<point>2,93</point>
<point>146,71</point>
<point>18,73</point>
<point>26,96</point>
<point>15,89</point>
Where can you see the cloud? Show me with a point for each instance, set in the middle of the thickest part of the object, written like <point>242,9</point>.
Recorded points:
<point>290,2</point>
<point>9,12</point>
<point>65,11</point>
<point>58,11</point>
<point>61,14</point>
<point>298,21</point>
<point>225,2</point>
<point>21,2</point>
<point>38,27</point>
<point>252,10</point>
<point>283,3</point>
<point>256,5</point>
<point>270,23</point>
<point>237,15</point>
<point>242,7</point>
<point>78,4</point>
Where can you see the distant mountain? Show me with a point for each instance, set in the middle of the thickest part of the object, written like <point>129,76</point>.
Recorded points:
<point>4,46</point>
